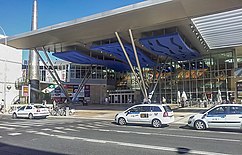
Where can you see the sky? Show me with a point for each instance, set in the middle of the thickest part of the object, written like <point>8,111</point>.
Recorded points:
<point>15,15</point>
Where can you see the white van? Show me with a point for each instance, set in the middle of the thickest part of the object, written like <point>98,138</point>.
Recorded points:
<point>220,116</point>
<point>155,114</point>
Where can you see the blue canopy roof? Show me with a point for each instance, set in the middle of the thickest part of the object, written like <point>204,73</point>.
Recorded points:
<point>170,45</point>
<point>116,50</point>
<point>79,58</point>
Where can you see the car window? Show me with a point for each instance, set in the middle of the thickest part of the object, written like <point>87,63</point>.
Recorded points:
<point>167,108</point>
<point>155,109</point>
<point>22,108</point>
<point>39,106</point>
<point>134,109</point>
<point>145,109</point>
<point>28,107</point>
<point>235,110</point>
<point>219,110</point>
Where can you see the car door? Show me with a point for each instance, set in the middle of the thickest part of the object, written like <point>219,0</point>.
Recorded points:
<point>21,112</point>
<point>216,118</point>
<point>28,110</point>
<point>234,118</point>
<point>145,114</point>
<point>133,114</point>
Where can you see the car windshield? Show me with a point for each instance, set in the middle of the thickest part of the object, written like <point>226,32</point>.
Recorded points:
<point>39,106</point>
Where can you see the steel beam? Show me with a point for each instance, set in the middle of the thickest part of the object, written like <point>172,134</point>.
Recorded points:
<point>130,64</point>
<point>80,86</point>
<point>138,64</point>
<point>153,90</point>
<point>53,76</point>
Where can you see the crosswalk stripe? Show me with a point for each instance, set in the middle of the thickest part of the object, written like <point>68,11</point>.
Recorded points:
<point>14,134</point>
<point>7,128</point>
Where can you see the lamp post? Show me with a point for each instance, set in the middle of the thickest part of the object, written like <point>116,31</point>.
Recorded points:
<point>5,36</point>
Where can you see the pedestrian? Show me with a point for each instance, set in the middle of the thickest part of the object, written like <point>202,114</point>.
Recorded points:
<point>163,100</point>
<point>1,106</point>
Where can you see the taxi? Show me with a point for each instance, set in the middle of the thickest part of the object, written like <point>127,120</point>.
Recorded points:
<point>154,114</point>
<point>219,116</point>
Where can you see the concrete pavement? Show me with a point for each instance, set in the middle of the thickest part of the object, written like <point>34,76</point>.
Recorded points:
<point>108,112</point>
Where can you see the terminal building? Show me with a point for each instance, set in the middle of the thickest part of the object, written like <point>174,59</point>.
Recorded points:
<point>147,51</point>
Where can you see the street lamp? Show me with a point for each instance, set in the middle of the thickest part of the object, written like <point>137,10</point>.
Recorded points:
<point>5,36</point>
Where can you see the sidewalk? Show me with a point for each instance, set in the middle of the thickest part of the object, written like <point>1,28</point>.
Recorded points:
<point>108,112</point>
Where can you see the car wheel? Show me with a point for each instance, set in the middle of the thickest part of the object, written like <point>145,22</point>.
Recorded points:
<point>156,123</point>
<point>200,125</point>
<point>121,121</point>
<point>31,116</point>
<point>14,115</point>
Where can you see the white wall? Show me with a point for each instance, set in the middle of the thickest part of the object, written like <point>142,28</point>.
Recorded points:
<point>10,71</point>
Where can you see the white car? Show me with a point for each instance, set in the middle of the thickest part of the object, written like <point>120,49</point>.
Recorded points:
<point>31,111</point>
<point>154,114</point>
<point>220,116</point>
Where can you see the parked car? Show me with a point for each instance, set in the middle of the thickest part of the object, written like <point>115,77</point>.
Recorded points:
<point>154,114</point>
<point>30,111</point>
<point>220,116</point>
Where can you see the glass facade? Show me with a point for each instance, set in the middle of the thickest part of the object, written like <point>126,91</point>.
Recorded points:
<point>199,79</point>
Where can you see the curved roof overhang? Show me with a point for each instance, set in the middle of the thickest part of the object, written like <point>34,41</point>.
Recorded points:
<point>149,16</point>
<point>139,17</point>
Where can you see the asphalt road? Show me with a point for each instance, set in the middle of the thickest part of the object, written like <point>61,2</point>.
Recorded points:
<point>102,137</point>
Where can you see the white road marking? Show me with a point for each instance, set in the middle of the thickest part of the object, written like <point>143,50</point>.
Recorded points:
<point>143,146</point>
<point>80,127</point>
<point>58,131</point>
<point>46,129</point>
<point>7,128</point>
<point>13,125</point>
<point>42,133</point>
<point>31,131</point>
<point>14,134</point>
<point>171,135</point>
<point>69,129</point>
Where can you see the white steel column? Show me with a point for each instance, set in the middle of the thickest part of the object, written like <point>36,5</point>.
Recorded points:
<point>158,79</point>
<point>130,64</point>
<point>138,64</point>
<point>56,75</point>
<point>53,76</point>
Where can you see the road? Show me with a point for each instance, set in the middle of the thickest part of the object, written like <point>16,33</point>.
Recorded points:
<point>103,137</point>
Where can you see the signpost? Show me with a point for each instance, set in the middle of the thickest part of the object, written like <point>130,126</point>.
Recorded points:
<point>26,92</point>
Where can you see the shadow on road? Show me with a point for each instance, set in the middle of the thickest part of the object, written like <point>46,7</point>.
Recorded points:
<point>6,149</point>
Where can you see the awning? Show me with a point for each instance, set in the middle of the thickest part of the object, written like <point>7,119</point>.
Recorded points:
<point>170,45</point>
<point>79,58</point>
<point>116,50</point>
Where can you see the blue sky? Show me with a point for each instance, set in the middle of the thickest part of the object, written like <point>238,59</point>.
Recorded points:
<point>15,15</point>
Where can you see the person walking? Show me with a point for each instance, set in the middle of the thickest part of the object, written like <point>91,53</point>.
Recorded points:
<point>163,100</point>
<point>1,106</point>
